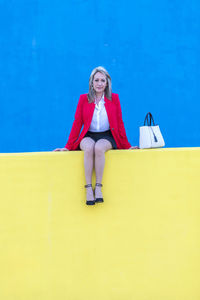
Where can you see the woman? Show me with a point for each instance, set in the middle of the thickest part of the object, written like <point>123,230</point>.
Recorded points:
<point>99,112</point>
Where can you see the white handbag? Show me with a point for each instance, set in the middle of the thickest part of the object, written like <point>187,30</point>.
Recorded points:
<point>150,134</point>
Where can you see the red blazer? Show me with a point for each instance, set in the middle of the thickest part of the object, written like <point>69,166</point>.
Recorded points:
<point>83,117</point>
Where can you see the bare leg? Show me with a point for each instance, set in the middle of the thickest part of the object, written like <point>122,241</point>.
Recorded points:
<point>87,145</point>
<point>101,146</point>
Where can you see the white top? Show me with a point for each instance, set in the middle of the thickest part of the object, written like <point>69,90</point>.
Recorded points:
<point>100,119</point>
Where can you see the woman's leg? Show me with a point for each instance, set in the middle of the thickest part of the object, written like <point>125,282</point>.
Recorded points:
<point>87,145</point>
<point>101,146</point>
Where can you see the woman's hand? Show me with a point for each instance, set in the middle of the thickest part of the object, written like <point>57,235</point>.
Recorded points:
<point>60,149</point>
<point>134,147</point>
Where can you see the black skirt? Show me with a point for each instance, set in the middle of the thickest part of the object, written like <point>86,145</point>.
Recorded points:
<point>107,135</point>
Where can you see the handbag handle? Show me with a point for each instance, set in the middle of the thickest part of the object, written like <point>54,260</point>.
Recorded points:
<point>149,120</point>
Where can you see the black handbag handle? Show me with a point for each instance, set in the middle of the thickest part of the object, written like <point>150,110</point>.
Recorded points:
<point>149,120</point>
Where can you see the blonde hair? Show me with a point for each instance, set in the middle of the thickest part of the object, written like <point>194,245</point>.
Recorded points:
<point>108,89</point>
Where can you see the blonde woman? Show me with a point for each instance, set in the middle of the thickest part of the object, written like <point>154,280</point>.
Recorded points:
<point>99,113</point>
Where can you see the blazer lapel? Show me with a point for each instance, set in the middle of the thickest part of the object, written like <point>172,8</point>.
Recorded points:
<point>107,104</point>
<point>90,109</point>
<point>108,107</point>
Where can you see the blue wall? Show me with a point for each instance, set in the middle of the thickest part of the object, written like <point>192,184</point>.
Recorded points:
<point>151,48</point>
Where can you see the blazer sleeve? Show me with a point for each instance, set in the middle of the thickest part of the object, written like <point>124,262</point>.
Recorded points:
<point>77,125</point>
<point>121,128</point>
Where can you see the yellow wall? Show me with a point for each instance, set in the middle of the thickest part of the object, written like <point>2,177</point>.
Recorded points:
<point>142,243</point>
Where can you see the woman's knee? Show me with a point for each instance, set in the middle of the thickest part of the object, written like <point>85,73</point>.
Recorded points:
<point>89,149</point>
<point>87,145</point>
<point>99,149</point>
<point>102,146</point>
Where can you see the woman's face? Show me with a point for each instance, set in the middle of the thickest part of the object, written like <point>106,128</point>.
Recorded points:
<point>99,82</point>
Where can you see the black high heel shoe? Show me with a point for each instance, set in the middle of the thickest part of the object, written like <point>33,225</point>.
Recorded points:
<point>89,202</point>
<point>99,200</point>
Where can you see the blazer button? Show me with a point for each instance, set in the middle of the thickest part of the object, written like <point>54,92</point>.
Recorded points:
<point>112,128</point>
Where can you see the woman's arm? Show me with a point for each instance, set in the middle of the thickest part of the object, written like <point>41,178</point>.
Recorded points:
<point>122,131</point>
<point>77,125</point>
